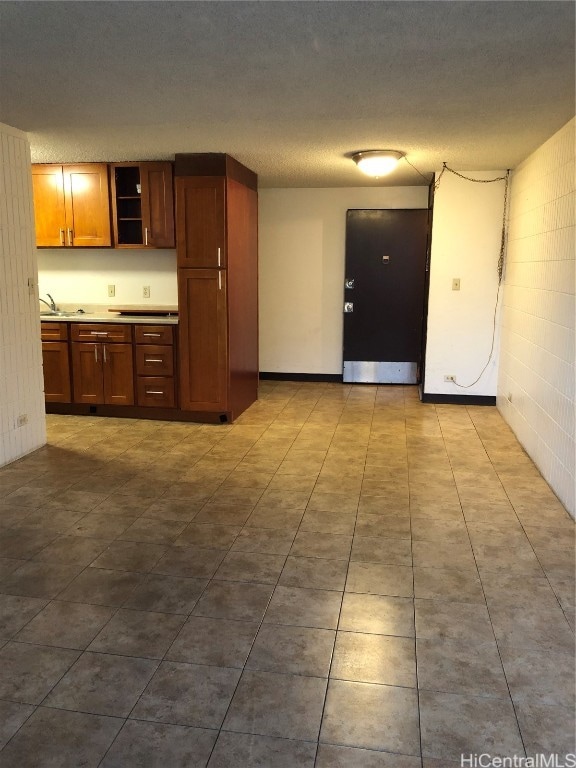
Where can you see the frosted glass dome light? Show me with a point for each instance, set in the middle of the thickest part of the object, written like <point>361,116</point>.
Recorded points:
<point>377,162</point>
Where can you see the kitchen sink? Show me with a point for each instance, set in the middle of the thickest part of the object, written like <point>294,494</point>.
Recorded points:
<point>58,313</point>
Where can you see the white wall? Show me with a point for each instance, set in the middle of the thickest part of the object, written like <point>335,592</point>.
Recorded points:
<point>21,384</point>
<point>537,357</point>
<point>81,276</point>
<point>466,236</point>
<point>301,271</point>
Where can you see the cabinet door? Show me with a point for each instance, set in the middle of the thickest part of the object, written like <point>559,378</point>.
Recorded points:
<point>200,221</point>
<point>87,201</point>
<point>56,372</point>
<point>87,373</point>
<point>203,340</point>
<point>49,210</point>
<point>157,204</point>
<point>118,374</point>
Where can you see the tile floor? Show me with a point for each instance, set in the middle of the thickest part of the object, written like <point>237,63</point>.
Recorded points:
<point>344,578</point>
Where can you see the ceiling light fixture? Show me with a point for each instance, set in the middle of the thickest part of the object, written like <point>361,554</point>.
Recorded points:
<point>377,162</point>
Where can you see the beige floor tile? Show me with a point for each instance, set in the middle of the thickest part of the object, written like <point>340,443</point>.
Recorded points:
<point>532,628</point>
<point>386,526</point>
<point>377,717</point>
<point>442,554</point>
<point>540,676</point>
<point>380,550</point>
<point>329,546</point>
<point>333,502</point>
<point>314,573</point>
<point>450,729</point>
<point>520,561</point>
<point>371,658</point>
<point>447,665</point>
<point>378,579</point>
<point>377,614</point>
<point>460,585</point>
<point>328,522</point>
<point>546,729</point>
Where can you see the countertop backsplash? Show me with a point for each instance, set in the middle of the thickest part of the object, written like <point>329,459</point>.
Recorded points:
<point>78,278</point>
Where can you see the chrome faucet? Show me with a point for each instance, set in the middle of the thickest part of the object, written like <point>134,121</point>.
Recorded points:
<point>52,304</point>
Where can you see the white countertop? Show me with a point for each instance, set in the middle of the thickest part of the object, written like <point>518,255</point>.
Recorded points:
<point>111,317</point>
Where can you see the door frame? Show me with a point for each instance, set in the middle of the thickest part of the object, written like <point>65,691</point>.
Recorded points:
<point>426,291</point>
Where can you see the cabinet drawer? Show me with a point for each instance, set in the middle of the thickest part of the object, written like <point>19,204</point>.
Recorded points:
<point>154,391</point>
<point>152,360</point>
<point>101,332</point>
<point>53,331</point>
<point>154,334</point>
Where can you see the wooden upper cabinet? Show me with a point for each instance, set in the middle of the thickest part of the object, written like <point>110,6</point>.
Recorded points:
<point>201,222</point>
<point>72,205</point>
<point>143,205</point>
<point>49,208</point>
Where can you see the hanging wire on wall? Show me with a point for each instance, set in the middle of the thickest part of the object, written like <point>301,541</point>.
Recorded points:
<point>500,265</point>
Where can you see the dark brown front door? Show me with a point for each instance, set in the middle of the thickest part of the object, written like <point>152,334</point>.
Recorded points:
<point>384,295</point>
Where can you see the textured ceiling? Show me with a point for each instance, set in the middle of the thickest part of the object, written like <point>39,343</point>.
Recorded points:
<point>289,88</point>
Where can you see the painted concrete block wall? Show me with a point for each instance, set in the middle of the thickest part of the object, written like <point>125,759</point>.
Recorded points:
<point>301,271</point>
<point>466,236</point>
<point>21,383</point>
<point>537,378</point>
<point>81,276</point>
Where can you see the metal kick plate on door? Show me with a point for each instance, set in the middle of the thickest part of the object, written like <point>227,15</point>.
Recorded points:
<point>348,307</point>
<point>349,283</point>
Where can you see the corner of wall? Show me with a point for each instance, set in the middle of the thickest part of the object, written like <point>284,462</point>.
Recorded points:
<point>536,382</point>
<point>22,419</point>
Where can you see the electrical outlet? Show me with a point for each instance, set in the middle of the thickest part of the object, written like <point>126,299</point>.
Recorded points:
<point>31,286</point>
<point>450,377</point>
<point>22,420</point>
<point>111,291</point>
<point>456,284</point>
<point>146,292</point>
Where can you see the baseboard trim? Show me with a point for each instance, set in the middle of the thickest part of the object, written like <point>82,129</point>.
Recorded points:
<point>274,376</point>
<point>426,397</point>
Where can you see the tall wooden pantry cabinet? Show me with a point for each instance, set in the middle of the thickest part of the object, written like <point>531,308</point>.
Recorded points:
<point>217,253</point>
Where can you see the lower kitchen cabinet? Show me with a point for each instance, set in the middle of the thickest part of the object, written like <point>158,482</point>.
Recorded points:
<point>110,364</point>
<point>154,352</point>
<point>103,373</point>
<point>203,340</point>
<point>103,370</point>
<point>56,363</point>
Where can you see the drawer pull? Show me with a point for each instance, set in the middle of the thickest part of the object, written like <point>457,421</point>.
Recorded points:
<point>151,334</point>
<point>153,360</point>
<point>154,392</point>
<point>99,333</point>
